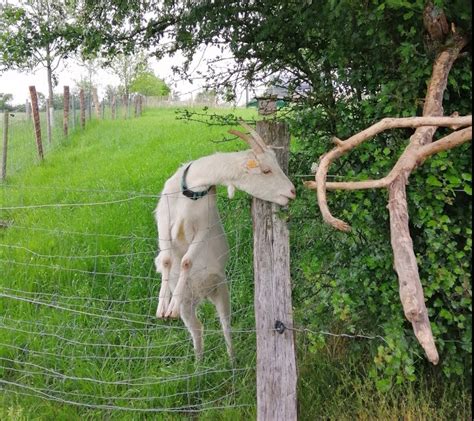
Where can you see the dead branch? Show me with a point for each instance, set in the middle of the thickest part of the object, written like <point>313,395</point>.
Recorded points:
<point>345,146</point>
<point>418,150</point>
<point>448,142</point>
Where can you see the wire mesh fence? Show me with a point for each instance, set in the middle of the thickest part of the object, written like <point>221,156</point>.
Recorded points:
<point>20,146</point>
<point>78,296</point>
<point>78,310</point>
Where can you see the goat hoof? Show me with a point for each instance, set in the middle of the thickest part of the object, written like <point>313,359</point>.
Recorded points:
<point>173,309</point>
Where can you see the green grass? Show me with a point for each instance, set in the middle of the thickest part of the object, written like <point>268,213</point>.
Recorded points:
<point>101,256</point>
<point>79,296</point>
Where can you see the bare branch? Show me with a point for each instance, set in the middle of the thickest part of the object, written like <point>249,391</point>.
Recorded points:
<point>448,142</point>
<point>345,146</point>
<point>352,185</point>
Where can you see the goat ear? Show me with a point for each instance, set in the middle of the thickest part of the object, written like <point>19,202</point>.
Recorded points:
<point>251,165</point>
<point>230,191</point>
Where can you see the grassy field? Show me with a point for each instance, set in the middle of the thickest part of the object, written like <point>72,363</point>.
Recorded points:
<point>78,290</point>
<point>78,283</point>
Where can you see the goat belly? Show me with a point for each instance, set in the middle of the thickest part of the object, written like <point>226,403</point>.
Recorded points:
<point>179,235</point>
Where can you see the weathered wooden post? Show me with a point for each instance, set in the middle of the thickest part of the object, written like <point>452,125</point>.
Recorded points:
<point>125,105</point>
<point>82,106</point>
<point>5,145</point>
<point>135,104</point>
<point>66,111</point>
<point>36,121</point>
<point>276,360</point>
<point>140,104</point>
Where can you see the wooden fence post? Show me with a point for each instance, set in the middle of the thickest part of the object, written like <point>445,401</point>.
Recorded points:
<point>82,105</point>
<point>89,104</point>
<point>125,105</point>
<point>36,121</point>
<point>5,145</point>
<point>276,359</point>
<point>66,110</point>
<point>73,106</point>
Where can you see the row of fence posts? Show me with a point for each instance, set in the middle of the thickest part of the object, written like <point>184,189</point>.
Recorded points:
<point>32,112</point>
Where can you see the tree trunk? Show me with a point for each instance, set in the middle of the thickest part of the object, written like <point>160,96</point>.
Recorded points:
<point>50,85</point>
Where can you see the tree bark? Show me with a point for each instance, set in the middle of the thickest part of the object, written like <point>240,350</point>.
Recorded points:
<point>406,266</point>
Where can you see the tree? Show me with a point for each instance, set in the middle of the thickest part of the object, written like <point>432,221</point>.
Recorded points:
<point>208,96</point>
<point>5,101</point>
<point>128,67</point>
<point>146,83</point>
<point>35,33</point>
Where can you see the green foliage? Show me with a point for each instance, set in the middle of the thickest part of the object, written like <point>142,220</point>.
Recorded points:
<point>4,101</point>
<point>146,83</point>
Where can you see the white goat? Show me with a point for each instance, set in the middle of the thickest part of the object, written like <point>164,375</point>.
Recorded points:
<point>193,246</point>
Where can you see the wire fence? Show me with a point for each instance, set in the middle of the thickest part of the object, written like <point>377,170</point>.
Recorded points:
<point>78,302</point>
<point>19,149</point>
<point>79,291</point>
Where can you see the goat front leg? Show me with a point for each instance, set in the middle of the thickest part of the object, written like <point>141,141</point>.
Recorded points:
<point>187,261</point>
<point>175,303</point>
<point>163,265</point>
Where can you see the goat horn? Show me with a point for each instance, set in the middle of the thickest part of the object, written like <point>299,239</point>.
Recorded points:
<point>254,134</point>
<point>252,142</point>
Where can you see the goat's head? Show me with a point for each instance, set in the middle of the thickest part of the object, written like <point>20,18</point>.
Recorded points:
<point>262,176</point>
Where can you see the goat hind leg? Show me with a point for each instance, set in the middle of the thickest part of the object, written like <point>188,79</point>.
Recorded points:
<point>221,300</point>
<point>188,315</point>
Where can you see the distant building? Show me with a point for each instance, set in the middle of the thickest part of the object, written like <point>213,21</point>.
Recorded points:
<point>281,94</point>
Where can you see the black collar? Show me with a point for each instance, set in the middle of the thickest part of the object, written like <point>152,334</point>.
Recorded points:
<point>193,195</point>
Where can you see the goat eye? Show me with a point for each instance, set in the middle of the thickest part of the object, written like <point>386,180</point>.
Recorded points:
<point>267,171</point>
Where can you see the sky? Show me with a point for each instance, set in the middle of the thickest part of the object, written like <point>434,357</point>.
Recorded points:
<point>17,83</point>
